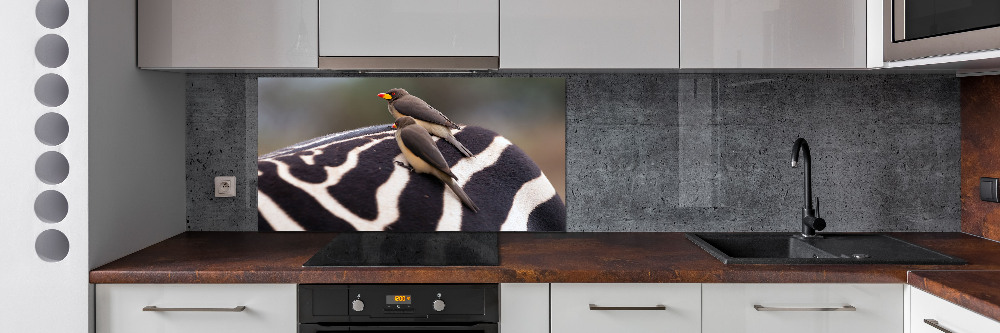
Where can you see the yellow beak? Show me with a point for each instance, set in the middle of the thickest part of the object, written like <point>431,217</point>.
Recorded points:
<point>384,95</point>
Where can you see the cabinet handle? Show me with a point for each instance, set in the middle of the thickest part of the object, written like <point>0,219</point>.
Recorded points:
<point>233,309</point>
<point>615,308</point>
<point>935,324</point>
<point>759,307</point>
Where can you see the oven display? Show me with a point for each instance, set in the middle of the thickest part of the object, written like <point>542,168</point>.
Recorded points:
<point>397,299</point>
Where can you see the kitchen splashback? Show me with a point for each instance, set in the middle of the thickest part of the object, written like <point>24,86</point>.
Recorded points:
<point>329,159</point>
<point>681,152</point>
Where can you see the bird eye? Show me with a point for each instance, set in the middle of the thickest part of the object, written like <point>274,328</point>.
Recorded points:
<point>394,94</point>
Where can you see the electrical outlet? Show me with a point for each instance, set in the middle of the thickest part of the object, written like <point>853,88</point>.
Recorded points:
<point>988,189</point>
<point>225,186</point>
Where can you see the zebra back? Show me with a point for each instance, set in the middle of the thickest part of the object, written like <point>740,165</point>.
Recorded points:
<point>349,182</point>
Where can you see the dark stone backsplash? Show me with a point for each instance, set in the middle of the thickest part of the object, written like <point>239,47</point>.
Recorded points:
<point>681,152</point>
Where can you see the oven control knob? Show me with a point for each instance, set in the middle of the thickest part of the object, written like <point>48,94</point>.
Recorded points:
<point>358,305</point>
<point>438,305</point>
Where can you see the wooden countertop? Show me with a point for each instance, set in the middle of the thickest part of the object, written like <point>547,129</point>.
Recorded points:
<point>978,291</point>
<point>252,257</point>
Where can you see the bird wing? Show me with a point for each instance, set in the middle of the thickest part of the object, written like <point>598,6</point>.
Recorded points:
<point>415,107</point>
<point>419,142</point>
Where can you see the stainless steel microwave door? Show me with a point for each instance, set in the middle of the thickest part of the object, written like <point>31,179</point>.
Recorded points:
<point>930,18</point>
<point>914,29</point>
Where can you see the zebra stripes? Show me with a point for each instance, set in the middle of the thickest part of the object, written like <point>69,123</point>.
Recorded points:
<point>349,182</point>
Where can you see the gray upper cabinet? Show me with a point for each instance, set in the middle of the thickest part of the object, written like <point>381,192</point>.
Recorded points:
<point>220,34</point>
<point>509,34</point>
<point>409,34</point>
<point>778,34</point>
<point>582,34</point>
<point>407,28</point>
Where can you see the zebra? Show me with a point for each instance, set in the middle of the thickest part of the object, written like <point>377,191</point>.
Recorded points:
<point>350,181</point>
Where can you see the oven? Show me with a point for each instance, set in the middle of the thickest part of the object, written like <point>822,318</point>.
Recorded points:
<point>927,28</point>
<point>388,308</point>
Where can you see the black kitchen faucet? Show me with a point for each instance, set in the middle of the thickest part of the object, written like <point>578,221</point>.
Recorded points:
<point>810,222</point>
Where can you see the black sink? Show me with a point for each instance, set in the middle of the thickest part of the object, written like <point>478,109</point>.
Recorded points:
<point>787,248</point>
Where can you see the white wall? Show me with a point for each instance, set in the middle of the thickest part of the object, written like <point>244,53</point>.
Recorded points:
<point>35,295</point>
<point>125,148</point>
<point>137,126</point>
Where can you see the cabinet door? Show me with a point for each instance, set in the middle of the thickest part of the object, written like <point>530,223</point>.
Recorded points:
<point>269,308</point>
<point>589,34</point>
<point>626,307</point>
<point>227,34</point>
<point>802,308</point>
<point>524,308</point>
<point>773,34</point>
<point>409,28</point>
<point>951,317</point>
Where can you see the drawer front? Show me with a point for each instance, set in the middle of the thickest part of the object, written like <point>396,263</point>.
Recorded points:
<point>405,28</point>
<point>572,311</point>
<point>948,315</point>
<point>729,308</point>
<point>269,308</point>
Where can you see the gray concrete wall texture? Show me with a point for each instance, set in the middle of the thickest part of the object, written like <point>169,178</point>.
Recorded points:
<point>682,152</point>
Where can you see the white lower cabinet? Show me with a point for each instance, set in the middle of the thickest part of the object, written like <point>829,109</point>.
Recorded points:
<point>802,308</point>
<point>195,308</point>
<point>626,307</point>
<point>570,307</point>
<point>524,308</point>
<point>930,314</point>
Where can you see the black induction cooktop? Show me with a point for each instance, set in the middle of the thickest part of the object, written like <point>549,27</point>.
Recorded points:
<point>409,249</point>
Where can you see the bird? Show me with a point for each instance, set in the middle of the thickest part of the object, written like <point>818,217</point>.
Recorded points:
<point>401,103</point>
<point>423,156</point>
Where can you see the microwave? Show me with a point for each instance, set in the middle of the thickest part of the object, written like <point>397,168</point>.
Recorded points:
<point>916,29</point>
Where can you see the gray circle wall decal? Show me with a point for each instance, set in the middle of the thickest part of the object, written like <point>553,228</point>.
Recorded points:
<point>51,128</point>
<point>52,13</point>
<point>52,245</point>
<point>51,50</point>
<point>51,90</point>
<point>51,206</point>
<point>52,167</point>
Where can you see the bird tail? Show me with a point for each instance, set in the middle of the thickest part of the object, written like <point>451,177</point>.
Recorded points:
<point>461,195</point>
<point>461,148</point>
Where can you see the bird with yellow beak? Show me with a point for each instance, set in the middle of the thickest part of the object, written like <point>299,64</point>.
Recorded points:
<point>401,104</point>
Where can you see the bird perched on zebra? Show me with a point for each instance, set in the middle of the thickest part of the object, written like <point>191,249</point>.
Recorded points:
<point>423,156</point>
<point>348,182</point>
<point>402,104</point>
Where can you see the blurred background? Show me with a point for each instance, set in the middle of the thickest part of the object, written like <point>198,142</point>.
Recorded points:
<point>530,112</point>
